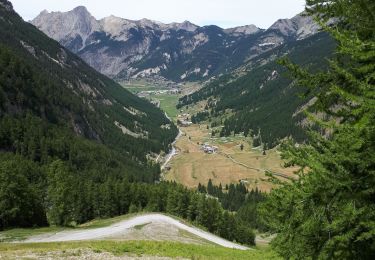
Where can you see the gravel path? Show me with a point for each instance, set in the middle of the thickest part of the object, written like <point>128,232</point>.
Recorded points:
<point>123,226</point>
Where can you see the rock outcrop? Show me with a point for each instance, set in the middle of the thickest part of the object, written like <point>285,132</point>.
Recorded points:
<point>123,49</point>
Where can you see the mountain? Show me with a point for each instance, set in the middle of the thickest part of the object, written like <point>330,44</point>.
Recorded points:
<point>75,146</point>
<point>299,27</point>
<point>69,136</point>
<point>258,98</point>
<point>44,87</point>
<point>124,49</point>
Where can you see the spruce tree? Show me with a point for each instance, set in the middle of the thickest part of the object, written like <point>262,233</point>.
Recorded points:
<point>328,211</point>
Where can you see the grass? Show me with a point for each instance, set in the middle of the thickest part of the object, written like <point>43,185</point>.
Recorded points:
<point>139,227</point>
<point>191,166</point>
<point>138,248</point>
<point>168,104</point>
<point>19,234</point>
<point>98,223</point>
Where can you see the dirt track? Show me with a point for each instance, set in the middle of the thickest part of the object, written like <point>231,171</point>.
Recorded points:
<point>117,229</point>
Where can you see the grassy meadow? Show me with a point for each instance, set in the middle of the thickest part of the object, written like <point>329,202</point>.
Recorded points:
<point>106,249</point>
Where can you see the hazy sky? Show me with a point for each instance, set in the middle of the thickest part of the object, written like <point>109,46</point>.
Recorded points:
<point>224,13</point>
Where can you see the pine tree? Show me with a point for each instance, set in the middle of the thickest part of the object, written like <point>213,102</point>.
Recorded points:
<point>328,212</point>
<point>210,187</point>
<point>60,198</point>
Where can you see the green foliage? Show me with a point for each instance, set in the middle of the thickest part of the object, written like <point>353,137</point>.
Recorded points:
<point>68,198</point>
<point>199,117</point>
<point>237,199</point>
<point>20,192</point>
<point>62,155</point>
<point>138,248</point>
<point>263,98</point>
<point>329,211</point>
<point>59,194</point>
<point>40,77</point>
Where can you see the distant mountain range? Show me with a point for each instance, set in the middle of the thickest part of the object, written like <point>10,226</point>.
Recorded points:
<point>125,49</point>
<point>54,106</point>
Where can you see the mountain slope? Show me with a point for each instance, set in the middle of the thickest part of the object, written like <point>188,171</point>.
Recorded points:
<point>65,130</point>
<point>124,49</point>
<point>75,146</point>
<point>258,98</point>
<point>62,89</point>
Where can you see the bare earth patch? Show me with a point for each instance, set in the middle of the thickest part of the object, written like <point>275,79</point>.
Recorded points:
<point>75,254</point>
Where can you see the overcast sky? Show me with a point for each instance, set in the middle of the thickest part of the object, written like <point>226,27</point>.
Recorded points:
<point>224,13</point>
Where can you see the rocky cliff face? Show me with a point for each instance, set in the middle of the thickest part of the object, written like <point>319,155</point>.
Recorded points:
<point>299,27</point>
<point>124,49</point>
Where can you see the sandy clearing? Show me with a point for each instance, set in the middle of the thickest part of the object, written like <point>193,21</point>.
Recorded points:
<point>124,226</point>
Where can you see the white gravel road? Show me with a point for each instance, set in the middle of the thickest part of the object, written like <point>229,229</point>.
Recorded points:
<point>123,226</point>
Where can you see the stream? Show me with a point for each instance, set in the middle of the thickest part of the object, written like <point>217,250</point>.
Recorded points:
<point>173,152</point>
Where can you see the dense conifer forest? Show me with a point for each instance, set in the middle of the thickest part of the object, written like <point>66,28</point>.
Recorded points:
<point>63,161</point>
<point>263,99</point>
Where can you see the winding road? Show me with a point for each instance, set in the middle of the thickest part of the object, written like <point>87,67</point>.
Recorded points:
<point>121,227</point>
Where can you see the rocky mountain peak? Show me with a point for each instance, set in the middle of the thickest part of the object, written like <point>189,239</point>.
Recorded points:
<point>7,5</point>
<point>285,26</point>
<point>82,10</point>
<point>44,12</point>
<point>243,30</point>
<point>58,24</point>
<point>300,26</point>
<point>186,25</point>
<point>123,48</point>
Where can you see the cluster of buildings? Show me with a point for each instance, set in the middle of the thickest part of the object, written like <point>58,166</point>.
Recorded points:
<point>147,93</point>
<point>210,149</point>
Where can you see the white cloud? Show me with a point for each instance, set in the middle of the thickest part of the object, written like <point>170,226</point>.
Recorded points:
<point>223,13</point>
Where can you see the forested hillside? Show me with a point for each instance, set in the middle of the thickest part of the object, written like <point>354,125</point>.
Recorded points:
<point>260,99</point>
<point>74,144</point>
<point>57,86</point>
<point>55,108</point>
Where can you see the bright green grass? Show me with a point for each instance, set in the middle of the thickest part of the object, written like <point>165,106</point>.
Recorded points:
<point>150,248</point>
<point>98,223</point>
<point>168,104</point>
<point>139,227</point>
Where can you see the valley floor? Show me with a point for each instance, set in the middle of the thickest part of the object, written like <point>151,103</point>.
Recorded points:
<point>189,165</point>
<point>230,164</point>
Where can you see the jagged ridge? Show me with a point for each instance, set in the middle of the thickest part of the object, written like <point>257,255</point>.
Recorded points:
<point>123,49</point>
